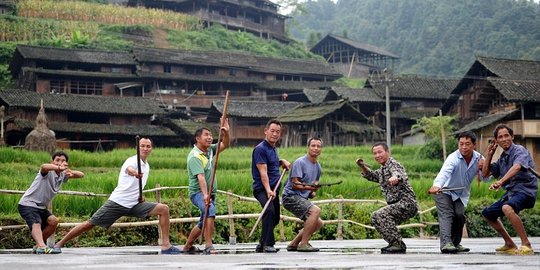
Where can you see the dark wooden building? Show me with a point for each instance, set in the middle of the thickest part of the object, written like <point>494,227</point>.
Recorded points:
<point>192,80</point>
<point>336,122</point>
<point>496,90</point>
<point>75,71</point>
<point>352,58</point>
<point>81,122</point>
<point>411,98</point>
<point>248,119</point>
<point>259,17</point>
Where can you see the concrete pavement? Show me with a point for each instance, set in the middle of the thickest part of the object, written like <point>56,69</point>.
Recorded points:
<point>348,254</point>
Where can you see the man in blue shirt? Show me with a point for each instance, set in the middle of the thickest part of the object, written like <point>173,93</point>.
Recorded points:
<point>265,165</point>
<point>521,187</point>
<point>457,174</point>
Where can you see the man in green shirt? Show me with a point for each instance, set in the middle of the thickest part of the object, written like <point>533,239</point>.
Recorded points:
<point>199,167</point>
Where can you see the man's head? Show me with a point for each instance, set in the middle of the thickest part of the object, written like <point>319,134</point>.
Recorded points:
<point>314,145</point>
<point>145,147</point>
<point>504,136</point>
<point>380,152</point>
<point>203,138</point>
<point>466,143</point>
<point>59,158</point>
<point>272,131</point>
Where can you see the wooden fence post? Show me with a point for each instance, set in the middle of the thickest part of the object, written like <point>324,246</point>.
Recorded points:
<point>281,225</point>
<point>421,228</point>
<point>158,200</point>
<point>232,233</point>
<point>50,240</point>
<point>339,233</point>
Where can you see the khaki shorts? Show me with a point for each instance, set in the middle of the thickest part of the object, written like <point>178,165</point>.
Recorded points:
<point>111,211</point>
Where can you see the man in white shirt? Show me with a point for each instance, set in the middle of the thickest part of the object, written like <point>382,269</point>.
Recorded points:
<point>124,202</point>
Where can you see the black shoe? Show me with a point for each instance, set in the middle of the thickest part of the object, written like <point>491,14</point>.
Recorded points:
<point>259,249</point>
<point>461,248</point>
<point>385,248</point>
<point>449,248</point>
<point>270,249</point>
<point>395,248</point>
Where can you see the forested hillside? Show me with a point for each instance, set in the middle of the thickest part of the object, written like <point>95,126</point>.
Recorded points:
<point>435,37</point>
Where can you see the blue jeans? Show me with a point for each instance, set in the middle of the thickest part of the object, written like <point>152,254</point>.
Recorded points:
<point>198,200</point>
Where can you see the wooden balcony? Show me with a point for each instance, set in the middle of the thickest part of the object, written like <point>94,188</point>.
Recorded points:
<point>526,128</point>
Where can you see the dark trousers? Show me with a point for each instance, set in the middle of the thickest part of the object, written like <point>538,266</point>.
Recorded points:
<point>451,219</point>
<point>270,218</point>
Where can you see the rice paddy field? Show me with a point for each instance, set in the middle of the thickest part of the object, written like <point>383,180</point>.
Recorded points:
<point>168,168</point>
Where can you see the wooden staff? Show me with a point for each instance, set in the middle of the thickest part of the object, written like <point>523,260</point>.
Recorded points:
<point>267,203</point>
<point>214,168</point>
<point>139,176</point>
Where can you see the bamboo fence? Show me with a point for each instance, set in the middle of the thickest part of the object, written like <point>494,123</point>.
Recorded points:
<point>231,216</point>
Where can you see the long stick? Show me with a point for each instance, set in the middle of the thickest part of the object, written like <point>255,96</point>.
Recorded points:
<point>267,203</point>
<point>137,139</point>
<point>214,167</point>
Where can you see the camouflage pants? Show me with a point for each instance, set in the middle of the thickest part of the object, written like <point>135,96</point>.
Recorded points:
<point>386,219</point>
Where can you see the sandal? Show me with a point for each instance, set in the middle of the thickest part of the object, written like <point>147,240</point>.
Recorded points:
<point>209,250</point>
<point>506,250</point>
<point>192,250</point>
<point>171,251</point>
<point>524,250</point>
<point>292,248</point>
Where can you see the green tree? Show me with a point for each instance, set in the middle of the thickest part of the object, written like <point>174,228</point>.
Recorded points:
<point>436,128</point>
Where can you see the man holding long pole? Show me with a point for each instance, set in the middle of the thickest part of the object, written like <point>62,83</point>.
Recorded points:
<point>265,171</point>
<point>452,189</point>
<point>200,167</point>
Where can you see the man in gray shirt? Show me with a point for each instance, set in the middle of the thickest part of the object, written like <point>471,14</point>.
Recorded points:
<point>33,204</point>
<point>305,171</point>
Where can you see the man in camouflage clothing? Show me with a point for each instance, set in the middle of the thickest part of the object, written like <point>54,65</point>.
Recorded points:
<point>398,193</point>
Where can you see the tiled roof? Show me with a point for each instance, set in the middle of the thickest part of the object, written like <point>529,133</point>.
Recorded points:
<point>316,96</point>
<point>76,55</point>
<point>81,103</point>
<point>358,95</point>
<point>296,85</point>
<point>71,127</point>
<point>235,60</point>
<point>486,121</point>
<point>414,87</point>
<point>78,73</point>
<point>199,78</point>
<point>311,112</point>
<point>359,45</point>
<point>511,68</point>
<point>412,113</point>
<point>519,91</point>
<point>254,109</point>
<point>518,79</point>
<point>358,128</point>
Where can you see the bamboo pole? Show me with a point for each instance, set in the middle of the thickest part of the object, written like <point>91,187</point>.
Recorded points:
<point>214,168</point>
<point>232,233</point>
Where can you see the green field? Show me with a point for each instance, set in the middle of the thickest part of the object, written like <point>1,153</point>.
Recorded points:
<point>168,168</point>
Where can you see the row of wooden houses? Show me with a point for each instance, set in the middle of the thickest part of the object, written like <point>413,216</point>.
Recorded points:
<point>94,95</point>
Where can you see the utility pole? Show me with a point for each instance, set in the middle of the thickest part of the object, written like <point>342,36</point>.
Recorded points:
<point>387,95</point>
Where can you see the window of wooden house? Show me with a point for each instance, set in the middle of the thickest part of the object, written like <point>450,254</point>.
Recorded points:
<point>167,68</point>
<point>57,86</point>
<point>86,88</point>
<point>232,72</point>
<point>195,70</point>
<point>117,70</point>
<point>537,112</point>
